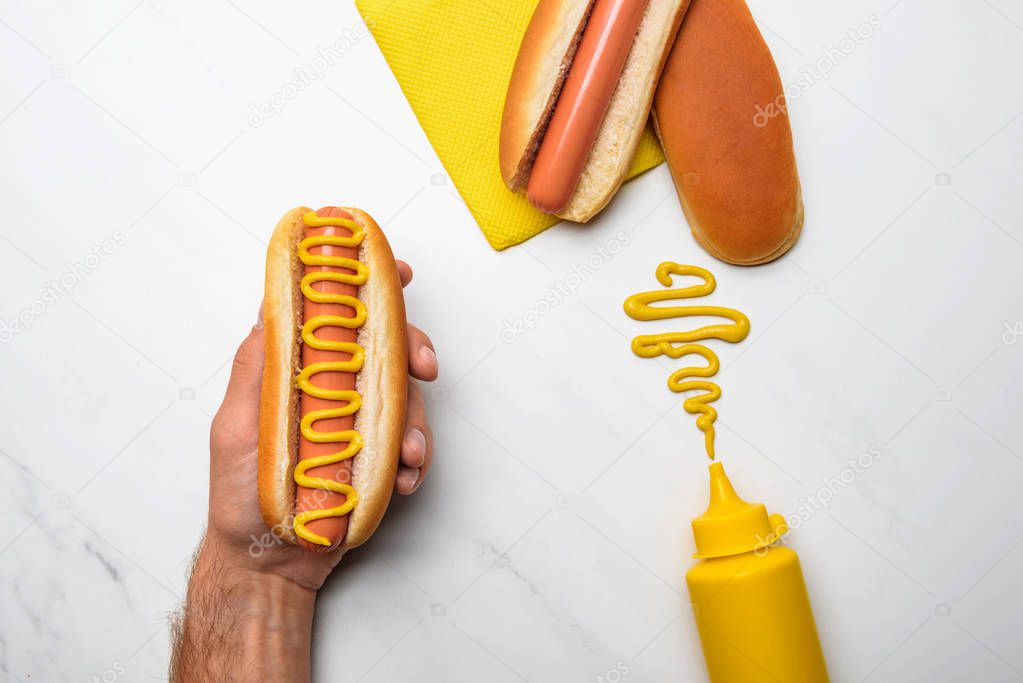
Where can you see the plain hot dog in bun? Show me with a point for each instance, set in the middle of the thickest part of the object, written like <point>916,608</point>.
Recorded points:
<point>579,98</point>
<point>332,409</point>
<point>721,117</point>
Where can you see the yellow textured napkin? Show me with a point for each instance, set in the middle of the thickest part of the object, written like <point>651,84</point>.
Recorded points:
<point>452,59</point>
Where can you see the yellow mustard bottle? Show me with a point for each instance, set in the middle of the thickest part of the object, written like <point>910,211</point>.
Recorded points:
<point>749,598</point>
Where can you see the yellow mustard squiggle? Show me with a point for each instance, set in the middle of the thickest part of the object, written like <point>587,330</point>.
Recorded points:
<point>677,344</point>
<point>353,400</point>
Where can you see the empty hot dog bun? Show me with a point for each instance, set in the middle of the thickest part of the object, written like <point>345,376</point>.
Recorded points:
<point>721,117</point>
<point>603,87</point>
<point>375,384</point>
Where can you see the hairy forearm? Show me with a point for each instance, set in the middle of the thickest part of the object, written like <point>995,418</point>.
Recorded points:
<point>240,624</point>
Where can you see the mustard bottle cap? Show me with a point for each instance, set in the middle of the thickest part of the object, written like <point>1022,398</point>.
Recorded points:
<point>731,526</point>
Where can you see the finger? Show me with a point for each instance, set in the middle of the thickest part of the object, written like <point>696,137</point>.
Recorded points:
<point>407,480</point>
<point>422,359</point>
<point>238,416</point>
<point>404,272</point>
<point>410,474</point>
<point>413,445</point>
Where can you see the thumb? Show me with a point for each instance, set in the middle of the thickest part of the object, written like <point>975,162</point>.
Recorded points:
<point>237,421</point>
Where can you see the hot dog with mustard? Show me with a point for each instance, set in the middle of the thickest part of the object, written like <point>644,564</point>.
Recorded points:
<point>332,408</point>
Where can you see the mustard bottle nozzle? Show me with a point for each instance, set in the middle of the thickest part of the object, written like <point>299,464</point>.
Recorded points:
<point>731,526</point>
<point>721,491</point>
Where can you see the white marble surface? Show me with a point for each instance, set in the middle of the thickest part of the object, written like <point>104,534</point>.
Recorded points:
<point>551,539</point>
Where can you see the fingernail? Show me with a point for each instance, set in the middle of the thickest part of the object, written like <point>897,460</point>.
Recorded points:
<point>415,481</point>
<point>259,316</point>
<point>417,444</point>
<point>427,354</point>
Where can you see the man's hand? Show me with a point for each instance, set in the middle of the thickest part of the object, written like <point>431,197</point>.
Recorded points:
<point>250,599</point>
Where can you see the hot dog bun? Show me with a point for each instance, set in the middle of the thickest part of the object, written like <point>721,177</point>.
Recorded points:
<point>734,169</point>
<point>542,65</point>
<point>382,381</point>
